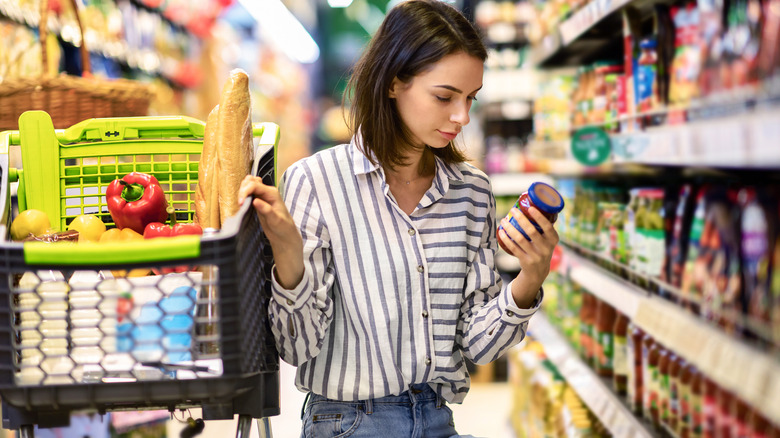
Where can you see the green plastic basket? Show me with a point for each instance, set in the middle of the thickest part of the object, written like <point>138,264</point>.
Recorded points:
<point>66,172</point>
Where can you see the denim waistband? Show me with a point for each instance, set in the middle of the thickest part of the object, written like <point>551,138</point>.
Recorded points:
<point>416,393</point>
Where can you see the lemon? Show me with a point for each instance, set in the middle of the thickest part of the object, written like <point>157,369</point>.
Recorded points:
<point>28,222</point>
<point>89,226</point>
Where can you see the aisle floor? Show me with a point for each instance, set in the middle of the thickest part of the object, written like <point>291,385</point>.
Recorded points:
<point>484,414</point>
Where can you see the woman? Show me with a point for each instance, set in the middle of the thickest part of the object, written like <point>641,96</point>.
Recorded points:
<point>384,281</point>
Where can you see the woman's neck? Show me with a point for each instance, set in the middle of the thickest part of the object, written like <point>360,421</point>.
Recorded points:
<point>418,165</point>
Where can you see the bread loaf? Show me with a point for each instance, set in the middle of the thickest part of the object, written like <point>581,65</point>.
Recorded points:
<point>207,195</point>
<point>234,141</point>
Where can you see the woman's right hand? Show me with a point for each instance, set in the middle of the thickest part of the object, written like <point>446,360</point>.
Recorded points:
<point>279,227</point>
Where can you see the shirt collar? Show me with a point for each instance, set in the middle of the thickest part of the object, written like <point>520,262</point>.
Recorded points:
<point>362,165</point>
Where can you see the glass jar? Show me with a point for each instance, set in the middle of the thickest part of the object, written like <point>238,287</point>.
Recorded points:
<point>544,198</point>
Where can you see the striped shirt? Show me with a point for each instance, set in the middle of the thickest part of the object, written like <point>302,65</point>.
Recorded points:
<point>387,299</point>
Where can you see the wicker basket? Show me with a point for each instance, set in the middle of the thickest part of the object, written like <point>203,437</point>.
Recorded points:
<point>70,99</point>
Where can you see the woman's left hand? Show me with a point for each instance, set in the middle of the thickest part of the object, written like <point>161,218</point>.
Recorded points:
<point>534,254</point>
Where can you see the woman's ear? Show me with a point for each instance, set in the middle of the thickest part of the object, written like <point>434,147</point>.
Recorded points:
<point>395,86</point>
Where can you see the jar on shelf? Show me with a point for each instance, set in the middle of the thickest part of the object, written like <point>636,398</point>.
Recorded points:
<point>601,91</point>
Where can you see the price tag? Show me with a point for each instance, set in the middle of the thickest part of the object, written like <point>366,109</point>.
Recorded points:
<point>571,28</point>
<point>662,147</point>
<point>630,147</point>
<point>764,132</point>
<point>727,366</point>
<point>770,407</point>
<point>754,388</point>
<point>685,144</point>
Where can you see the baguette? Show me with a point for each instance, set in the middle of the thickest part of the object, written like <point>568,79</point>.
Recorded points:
<point>234,141</point>
<point>207,195</point>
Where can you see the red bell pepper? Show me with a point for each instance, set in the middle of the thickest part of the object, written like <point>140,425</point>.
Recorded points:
<point>136,200</point>
<point>159,229</point>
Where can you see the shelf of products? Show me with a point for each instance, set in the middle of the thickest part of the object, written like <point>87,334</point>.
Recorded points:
<point>595,392</point>
<point>544,403</point>
<point>746,140</point>
<point>750,373</point>
<point>124,32</point>
<point>689,83</point>
<point>666,393</point>
<point>514,184</point>
<point>573,40</point>
<point>672,237</point>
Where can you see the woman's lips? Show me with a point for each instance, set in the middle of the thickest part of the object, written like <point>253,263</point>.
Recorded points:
<point>448,135</point>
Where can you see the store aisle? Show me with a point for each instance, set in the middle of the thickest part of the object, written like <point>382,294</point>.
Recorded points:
<point>484,414</point>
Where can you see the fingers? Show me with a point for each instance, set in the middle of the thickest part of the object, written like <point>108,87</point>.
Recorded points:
<point>529,242</point>
<point>548,232</point>
<point>508,242</point>
<point>253,186</point>
<point>528,228</point>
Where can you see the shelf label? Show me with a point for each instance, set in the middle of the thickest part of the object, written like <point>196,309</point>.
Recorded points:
<point>591,146</point>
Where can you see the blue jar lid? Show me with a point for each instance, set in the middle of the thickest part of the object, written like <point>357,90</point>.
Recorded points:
<point>545,197</point>
<point>648,43</point>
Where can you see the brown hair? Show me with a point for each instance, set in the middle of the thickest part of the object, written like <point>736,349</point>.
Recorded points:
<point>414,35</point>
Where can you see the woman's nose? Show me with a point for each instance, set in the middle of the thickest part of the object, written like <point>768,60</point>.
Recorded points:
<point>461,115</point>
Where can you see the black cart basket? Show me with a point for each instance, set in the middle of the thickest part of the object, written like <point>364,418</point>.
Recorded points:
<point>166,323</point>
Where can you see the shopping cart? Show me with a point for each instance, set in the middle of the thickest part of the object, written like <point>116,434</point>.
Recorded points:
<point>82,330</point>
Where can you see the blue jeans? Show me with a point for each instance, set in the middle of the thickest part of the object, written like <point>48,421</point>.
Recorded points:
<point>416,413</point>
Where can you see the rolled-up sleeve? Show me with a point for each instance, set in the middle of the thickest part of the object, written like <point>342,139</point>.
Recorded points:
<point>300,316</point>
<point>490,321</point>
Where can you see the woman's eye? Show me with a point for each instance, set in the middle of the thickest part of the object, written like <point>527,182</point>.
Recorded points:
<point>473,98</point>
<point>443,99</point>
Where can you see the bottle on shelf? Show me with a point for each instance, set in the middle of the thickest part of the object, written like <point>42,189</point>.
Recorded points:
<point>686,382</point>
<point>621,362</point>
<point>676,368</point>
<point>698,388</point>
<point>605,323</point>
<point>741,427</point>
<point>664,361</point>
<point>725,419</point>
<point>647,76</point>
<point>634,390</point>
<point>709,408</point>
<point>587,329</point>
<point>650,357</point>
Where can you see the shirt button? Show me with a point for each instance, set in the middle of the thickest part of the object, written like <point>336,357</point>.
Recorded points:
<point>510,313</point>
<point>420,269</point>
<point>412,232</point>
<point>425,313</point>
<point>290,302</point>
<point>427,361</point>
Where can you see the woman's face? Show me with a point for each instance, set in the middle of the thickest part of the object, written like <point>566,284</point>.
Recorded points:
<point>435,104</point>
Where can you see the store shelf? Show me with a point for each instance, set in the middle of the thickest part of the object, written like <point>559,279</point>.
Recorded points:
<point>577,40</point>
<point>590,33</point>
<point>750,373</point>
<point>748,140</point>
<point>744,141</point>
<point>503,85</point>
<point>595,392</point>
<point>148,61</point>
<point>514,184</point>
